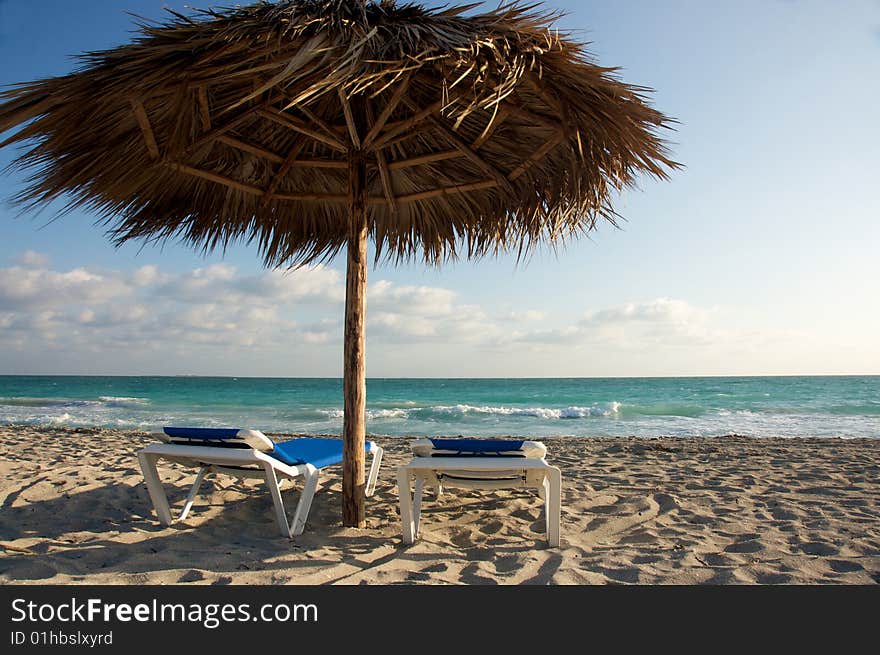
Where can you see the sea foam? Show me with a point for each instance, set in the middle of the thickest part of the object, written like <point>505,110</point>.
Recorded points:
<point>546,413</point>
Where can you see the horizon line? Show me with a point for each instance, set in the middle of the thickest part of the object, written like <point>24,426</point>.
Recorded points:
<point>407,377</point>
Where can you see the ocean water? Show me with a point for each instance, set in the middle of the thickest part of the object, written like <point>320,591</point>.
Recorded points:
<point>845,406</point>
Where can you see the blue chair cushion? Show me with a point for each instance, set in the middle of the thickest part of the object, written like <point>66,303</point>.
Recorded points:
<point>310,450</point>
<point>202,434</point>
<point>306,450</point>
<point>228,437</point>
<point>457,447</point>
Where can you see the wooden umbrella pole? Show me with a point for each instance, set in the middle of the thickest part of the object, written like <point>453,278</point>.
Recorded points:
<point>355,380</point>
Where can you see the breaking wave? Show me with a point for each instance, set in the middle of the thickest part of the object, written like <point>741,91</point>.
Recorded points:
<point>101,401</point>
<point>371,413</point>
<point>442,412</point>
<point>545,413</point>
<point>111,411</point>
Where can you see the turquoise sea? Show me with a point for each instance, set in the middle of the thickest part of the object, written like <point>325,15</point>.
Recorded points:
<point>845,406</point>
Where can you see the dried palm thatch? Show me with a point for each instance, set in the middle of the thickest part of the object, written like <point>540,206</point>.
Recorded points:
<point>306,125</point>
<point>478,133</point>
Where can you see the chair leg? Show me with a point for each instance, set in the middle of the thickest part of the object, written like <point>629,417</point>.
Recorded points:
<point>553,506</point>
<point>406,505</point>
<point>280,515</point>
<point>310,486</point>
<point>544,494</point>
<point>417,503</point>
<point>192,493</point>
<point>154,487</point>
<point>374,472</point>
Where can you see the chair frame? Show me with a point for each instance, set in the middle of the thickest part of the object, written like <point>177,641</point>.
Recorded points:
<point>495,472</point>
<point>240,463</point>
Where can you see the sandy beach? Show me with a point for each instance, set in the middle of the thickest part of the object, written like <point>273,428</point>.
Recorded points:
<point>730,510</point>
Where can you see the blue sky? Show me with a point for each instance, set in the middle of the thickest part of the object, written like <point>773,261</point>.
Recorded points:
<point>760,257</point>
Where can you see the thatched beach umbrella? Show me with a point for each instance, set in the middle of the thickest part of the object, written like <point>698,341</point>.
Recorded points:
<point>307,126</point>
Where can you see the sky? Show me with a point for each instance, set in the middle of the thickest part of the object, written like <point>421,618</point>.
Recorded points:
<point>759,257</point>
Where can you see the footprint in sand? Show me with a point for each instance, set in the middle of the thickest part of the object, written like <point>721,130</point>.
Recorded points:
<point>666,503</point>
<point>605,509</point>
<point>843,566</point>
<point>634,516</point>
<point>492,527</point>
<point>462,539</point>
<point>718,560</point>
<point>469,575</point>
<point>783,514</point>
<point>435,568</point>
<point>482,554</point>
<point>33,571</point>
<point>772,578</point>
<point>646,559</point>
<point>752,546</point>
<point>820,548</point>
<point>191,576</point>
<point>507,564</point>
<point>628,575</point>
<point>639,537</point>
<point>526,515</point>
<point>611,529</point>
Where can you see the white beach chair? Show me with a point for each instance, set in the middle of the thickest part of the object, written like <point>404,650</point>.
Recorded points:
<point>247,454</point>
<point>478,464</point>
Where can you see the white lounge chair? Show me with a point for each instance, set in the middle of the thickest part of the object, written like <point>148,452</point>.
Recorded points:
<point>247,454</point>
<point>478,464</point>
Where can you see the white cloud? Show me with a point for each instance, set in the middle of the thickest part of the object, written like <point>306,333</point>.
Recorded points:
<point>566,335</point>
<point>216,305</point>
<point>216,320</point>
<point>523,316</point>
<point>28,288</point>
<point>661,310</point>
<point>389,323</point>
<point>220,283</point>
<point>32,259</point>
<point>147,275</point>
<point>663,322</point>
<point>421,313</point>
<point>110,315</point>
<point>316,283</point>
<point>421,301</point>
<point>82,309</point>
<point>200,285</point>
<point>315,338</point>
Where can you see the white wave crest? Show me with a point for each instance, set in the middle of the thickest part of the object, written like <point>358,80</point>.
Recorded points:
<point>123,400</point>
<point>371,413</point>
<point>546,413</point>
<point>387,413</point>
